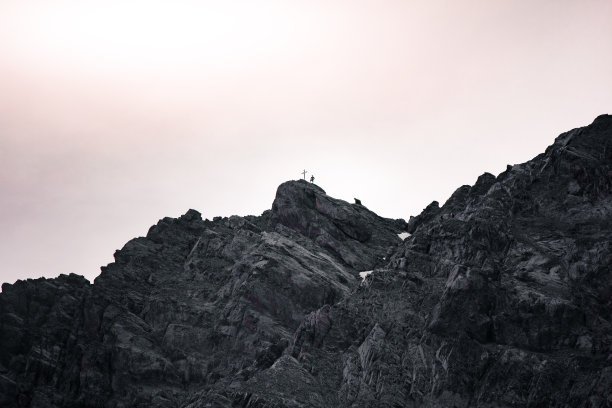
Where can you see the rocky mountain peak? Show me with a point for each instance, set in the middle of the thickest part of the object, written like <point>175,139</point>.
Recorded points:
<point>354,234</point>
<point>501,297</point>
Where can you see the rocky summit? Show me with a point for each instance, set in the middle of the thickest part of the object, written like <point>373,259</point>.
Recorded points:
<point>501,297</point>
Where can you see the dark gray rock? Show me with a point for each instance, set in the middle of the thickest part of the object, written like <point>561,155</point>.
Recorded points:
<point>502,297</point>
<point>353,234</point>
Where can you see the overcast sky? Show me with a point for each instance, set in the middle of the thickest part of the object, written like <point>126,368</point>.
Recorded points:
<point>114,114</point>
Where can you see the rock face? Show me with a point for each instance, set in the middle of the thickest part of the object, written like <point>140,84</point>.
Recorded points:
<point>502,297</point>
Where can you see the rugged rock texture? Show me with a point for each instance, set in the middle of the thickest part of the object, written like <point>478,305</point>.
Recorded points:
<point>502,297</point>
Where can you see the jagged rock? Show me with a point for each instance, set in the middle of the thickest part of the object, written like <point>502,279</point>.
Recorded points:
<point>428,214</point>
<point>502,297</point>
<point>355,235</point>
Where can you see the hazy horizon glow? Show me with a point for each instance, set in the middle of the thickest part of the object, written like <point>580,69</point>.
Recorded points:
<point>116,114</point>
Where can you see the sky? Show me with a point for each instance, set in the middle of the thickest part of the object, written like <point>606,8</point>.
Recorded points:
<point>115,114</point>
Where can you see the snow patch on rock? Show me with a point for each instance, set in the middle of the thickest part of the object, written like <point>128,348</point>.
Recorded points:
<point>364,274</point>
<point>403,235</point>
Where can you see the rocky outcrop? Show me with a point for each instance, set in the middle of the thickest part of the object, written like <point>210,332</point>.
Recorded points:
<point>356,235</point>
<point>501,297</point>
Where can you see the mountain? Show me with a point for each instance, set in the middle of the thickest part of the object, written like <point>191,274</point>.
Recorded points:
<point>502,297</point>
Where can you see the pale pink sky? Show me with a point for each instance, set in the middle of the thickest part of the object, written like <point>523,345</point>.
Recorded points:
<point>114,114</point>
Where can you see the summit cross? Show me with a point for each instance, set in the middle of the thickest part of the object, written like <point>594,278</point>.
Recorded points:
<point>304,173</point>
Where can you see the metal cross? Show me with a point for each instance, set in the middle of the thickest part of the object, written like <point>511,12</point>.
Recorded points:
<point>304,173</point>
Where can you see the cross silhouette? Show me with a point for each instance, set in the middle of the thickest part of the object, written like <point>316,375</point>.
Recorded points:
<point>304,173</point>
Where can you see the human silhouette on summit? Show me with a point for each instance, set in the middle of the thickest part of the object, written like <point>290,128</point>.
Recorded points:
<point>312,179</point>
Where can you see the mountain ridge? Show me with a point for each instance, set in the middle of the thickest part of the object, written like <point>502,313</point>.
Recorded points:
<point>501,297</point>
